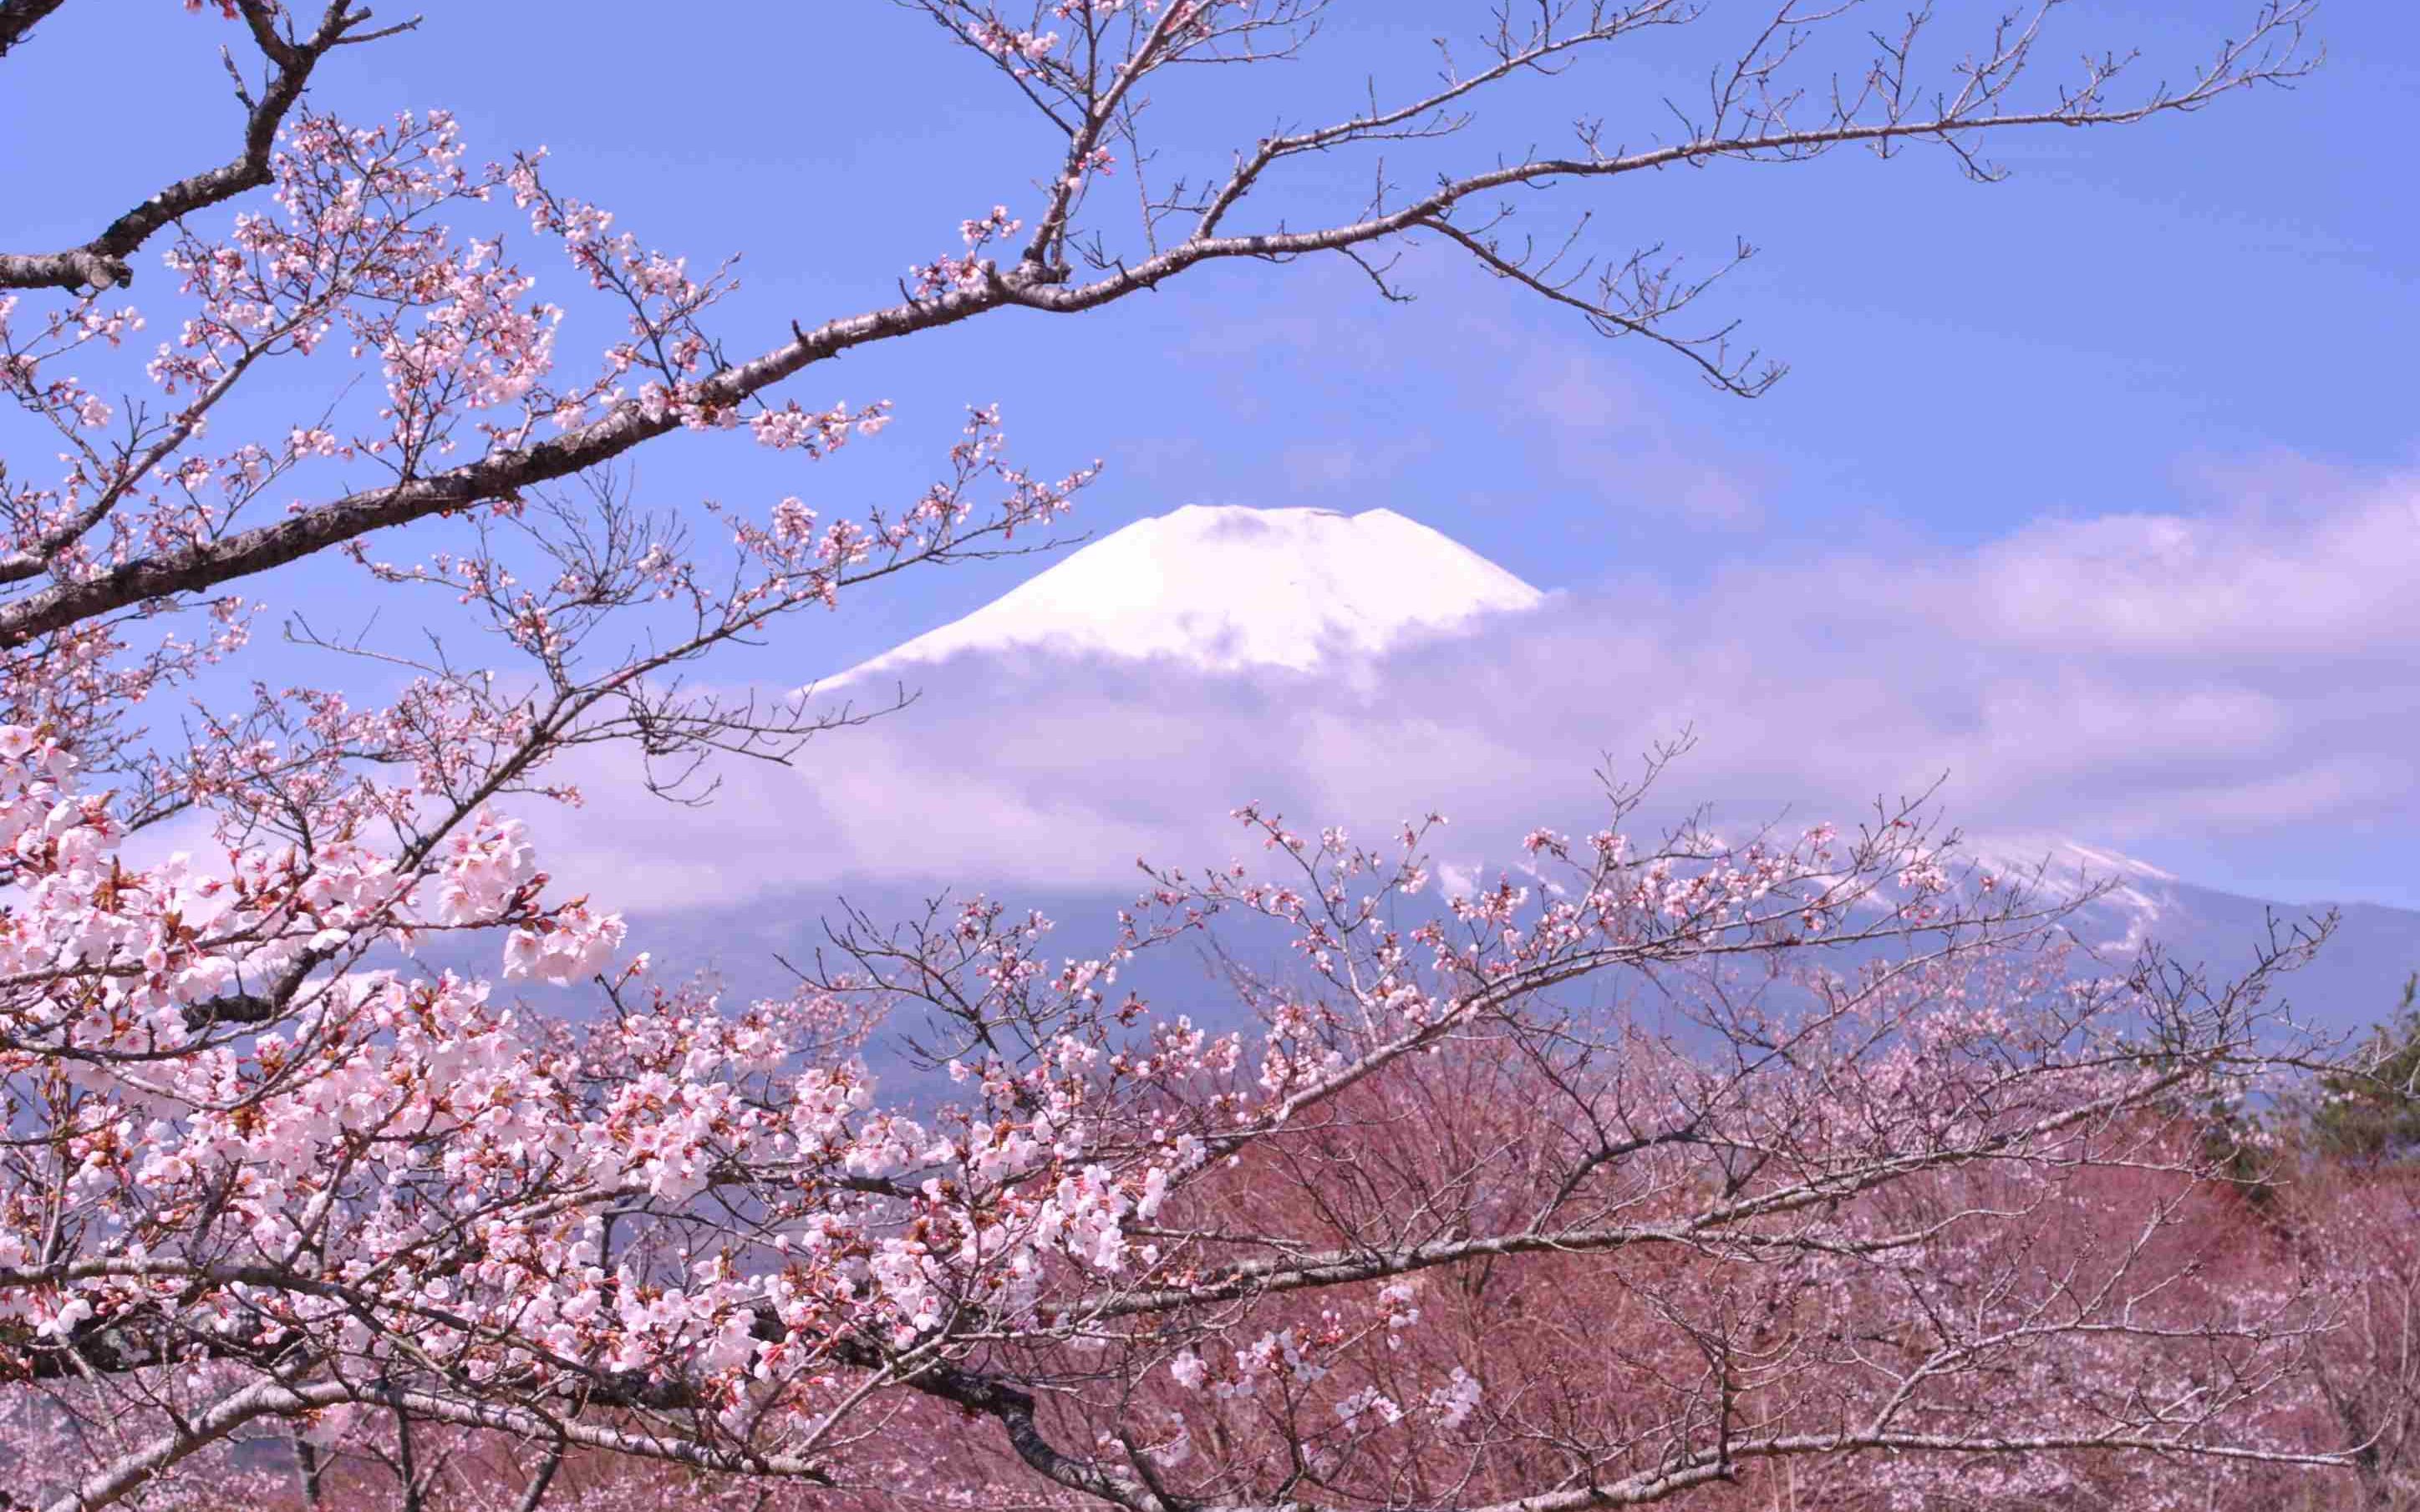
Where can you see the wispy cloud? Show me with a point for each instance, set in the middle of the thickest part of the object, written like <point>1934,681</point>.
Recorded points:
<point>1592,427</point>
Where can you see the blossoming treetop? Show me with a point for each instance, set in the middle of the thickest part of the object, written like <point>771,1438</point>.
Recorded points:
<point>1871,1175</point>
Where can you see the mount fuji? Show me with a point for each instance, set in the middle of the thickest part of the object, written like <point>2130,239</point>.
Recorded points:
<point>1224,589</point>
<point>1187,661</point>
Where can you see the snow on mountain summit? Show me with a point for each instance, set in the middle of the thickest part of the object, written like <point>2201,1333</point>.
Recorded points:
<point>1225,589</point>
<point>2129,913</point>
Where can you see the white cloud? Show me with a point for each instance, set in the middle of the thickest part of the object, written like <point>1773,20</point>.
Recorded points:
<point>2126,679</point>
<point>2262,582</point>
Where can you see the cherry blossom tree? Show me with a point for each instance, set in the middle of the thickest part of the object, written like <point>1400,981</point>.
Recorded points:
<point>2356,1232</point>
<point>1659,1167</point>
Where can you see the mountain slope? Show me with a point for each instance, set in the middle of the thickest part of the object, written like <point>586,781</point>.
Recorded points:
<point>2351,982</point>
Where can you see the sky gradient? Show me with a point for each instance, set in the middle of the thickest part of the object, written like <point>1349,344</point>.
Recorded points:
<point>2118,458</point>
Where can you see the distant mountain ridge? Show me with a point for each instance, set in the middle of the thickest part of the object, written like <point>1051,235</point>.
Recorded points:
<point>2354,981</point>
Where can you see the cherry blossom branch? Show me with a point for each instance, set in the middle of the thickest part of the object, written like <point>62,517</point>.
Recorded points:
<point>1615,1177</point>
<point>1745,121</point>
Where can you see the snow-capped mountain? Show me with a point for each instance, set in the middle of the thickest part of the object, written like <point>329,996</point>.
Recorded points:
<point>1199,626</point>
<point>1227,589</point>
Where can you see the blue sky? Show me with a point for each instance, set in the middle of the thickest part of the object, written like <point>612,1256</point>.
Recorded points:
<point>2196,317</point>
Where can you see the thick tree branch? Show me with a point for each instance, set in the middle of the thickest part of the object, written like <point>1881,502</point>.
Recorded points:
<point>17,18</point>
<point>101,263</point>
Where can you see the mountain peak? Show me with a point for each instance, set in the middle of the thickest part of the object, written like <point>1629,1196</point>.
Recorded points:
<point>1224,588</point>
